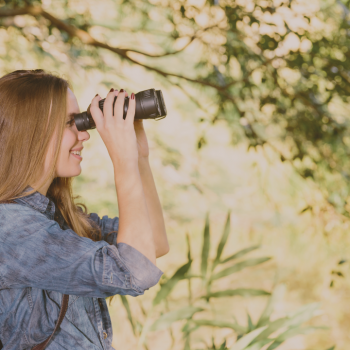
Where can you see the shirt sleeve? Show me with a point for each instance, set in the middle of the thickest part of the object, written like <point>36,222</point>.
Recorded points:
<point>35,252</point>
<point>109,227</point>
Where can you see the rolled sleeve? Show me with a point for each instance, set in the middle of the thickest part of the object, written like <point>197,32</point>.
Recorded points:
<point>51,258</point>
<point>142,273</point>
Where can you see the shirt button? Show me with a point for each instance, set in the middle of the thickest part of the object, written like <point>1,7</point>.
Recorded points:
<point>104,335</point>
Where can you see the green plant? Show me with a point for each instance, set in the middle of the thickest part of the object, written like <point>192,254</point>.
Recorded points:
<point>252,336</point>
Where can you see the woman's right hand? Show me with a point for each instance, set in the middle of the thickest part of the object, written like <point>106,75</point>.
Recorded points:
<point>117,134</point>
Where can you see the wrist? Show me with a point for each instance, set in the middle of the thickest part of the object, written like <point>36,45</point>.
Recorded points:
<point>125,168</point>
<point>143,160</point>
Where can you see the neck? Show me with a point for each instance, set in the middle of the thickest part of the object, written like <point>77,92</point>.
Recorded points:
<point>43,188</point>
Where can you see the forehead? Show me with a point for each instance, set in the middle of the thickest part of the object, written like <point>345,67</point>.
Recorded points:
<point>72,103</point>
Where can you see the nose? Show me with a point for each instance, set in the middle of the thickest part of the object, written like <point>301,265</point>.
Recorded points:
<point>83,136</point>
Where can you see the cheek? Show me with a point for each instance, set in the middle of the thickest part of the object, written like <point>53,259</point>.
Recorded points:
<point>68,141</point>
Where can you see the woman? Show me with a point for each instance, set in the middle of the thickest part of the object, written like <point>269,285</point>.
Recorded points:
<point>48,245</point>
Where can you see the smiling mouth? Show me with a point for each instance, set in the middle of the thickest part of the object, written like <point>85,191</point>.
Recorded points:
<point>76,152</point>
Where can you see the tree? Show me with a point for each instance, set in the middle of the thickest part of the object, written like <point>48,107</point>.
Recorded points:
<point>277,69</point>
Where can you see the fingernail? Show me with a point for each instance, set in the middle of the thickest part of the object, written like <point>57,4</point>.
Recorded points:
<point>96,95</point>
<point>121,90</point>
<point>111,90</point>
<point>132,96</point>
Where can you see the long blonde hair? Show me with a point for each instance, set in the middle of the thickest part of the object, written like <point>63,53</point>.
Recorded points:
<point>33,110</point>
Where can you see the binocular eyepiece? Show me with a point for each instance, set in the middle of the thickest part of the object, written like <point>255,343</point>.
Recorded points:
<point>149,105</point>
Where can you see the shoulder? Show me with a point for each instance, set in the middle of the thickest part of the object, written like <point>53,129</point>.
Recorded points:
<point>18,213</point>
<point>17,218</point>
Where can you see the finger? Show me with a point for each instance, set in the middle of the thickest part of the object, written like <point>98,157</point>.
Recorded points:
<point>108,104</point>
<point>95,111</point>
<point>119,105</point>
<point>130,115</point>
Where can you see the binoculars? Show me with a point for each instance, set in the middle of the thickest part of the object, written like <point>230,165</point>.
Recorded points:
<point>149,105</point>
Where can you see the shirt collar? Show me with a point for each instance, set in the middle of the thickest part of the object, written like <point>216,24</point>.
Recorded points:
<point>38,202</point>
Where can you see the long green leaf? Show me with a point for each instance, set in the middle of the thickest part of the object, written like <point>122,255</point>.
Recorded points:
<point>167,319</point>
<point>168,286</point>
<point>128,311</point>
<point>289,333</point>
<point>247,339</point>
<point>294,320</point>
<point>223,241</point>
<point>240,254</point>
<point>239,266</point>
<point>244,292</point>
<point>259,344</point>
<point>221,324</point>
<point>276,295</point>
<point>205,248</point>
<point>250,323</point>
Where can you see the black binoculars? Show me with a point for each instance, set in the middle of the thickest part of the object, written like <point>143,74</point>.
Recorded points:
<point>149,105</point>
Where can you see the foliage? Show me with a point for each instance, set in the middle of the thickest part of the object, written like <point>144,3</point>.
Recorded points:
<point>277,69</point>
<point>252,336</point>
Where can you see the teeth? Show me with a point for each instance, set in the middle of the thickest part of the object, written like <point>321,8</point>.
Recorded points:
<point>76,152</point>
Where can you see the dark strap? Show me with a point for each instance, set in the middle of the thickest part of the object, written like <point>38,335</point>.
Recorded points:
<point>63,311</point>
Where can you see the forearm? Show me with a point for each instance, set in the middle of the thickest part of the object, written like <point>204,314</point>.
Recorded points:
<point>134,222</point>
<point>154,208</point>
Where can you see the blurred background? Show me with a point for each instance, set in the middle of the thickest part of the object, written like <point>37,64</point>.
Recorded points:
<point>251,163</point>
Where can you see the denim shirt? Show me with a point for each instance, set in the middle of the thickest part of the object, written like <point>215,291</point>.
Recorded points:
<point>41,259</point>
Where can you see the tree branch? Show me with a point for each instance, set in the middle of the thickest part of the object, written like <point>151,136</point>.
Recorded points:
<point>87,39</point>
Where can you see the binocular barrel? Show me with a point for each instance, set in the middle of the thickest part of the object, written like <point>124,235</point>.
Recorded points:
<point>149,105</point>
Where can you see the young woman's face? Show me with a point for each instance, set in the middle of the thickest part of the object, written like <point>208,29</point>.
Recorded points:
<point>70,155</point>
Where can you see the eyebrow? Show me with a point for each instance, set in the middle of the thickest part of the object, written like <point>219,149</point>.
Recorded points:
<point>72,115</point>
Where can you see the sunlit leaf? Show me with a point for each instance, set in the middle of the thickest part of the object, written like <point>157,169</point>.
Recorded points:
<point>250,323</point>
<point>223,241</point>
<point>168,286</point>
<point>221,324</point>
<point>128,311</point>
<point>276,295</point>
<point>239,266</point>
<point>244,292</point>
<point>206,246</point>
<point>259,345</point>
<point>294,320</point>
<point>292,332</point>
<point>167,319</point>
<point>240,254</point>
<point>243,342</point>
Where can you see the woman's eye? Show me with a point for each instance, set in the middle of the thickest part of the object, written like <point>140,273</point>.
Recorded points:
<point>70,122</point>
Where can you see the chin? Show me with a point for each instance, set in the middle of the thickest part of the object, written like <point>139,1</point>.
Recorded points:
<point>71,173</point>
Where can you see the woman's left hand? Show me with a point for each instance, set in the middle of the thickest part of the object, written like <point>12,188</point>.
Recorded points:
<point>142,143</point>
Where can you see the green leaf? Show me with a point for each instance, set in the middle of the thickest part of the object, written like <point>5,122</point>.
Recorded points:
<point>239,266</point>
<point>221,324</point>
<point>168,286</point>
<point>292,332</point>
<point>188,247</point>
<point>244,292</point>
<point>167,319</point>
<point>259,344</point>
<point>128,311</point>
<point>206,246</point>
<point>250,323</point>
<point>302,315</point>
<point>247,339</point>
<point>332,348</point>
<point>240,253</point>
<point>223,241</point>
<point>276,295</point>
<point>187,343</point>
